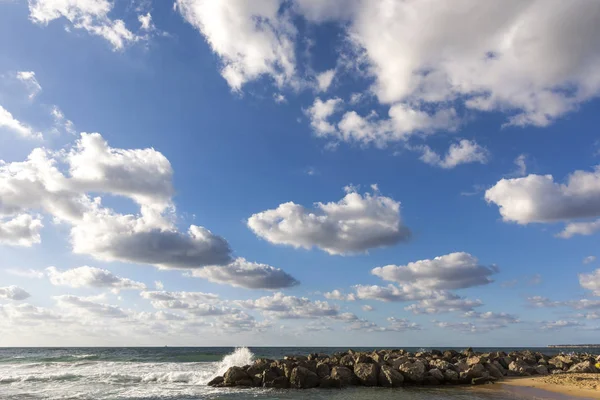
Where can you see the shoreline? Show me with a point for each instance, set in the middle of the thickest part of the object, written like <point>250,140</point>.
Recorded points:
<point>562,386</point>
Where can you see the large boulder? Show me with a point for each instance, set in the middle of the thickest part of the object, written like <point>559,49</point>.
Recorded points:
<point>258,367</point>
<point>323,370</point>
<point>493,370</point>
<point>389,377</point>
<point>330,383</point>
<point>344,375</point>
<point>367,373</point>
<point>347,361</point>
<point>583,367</point>
<point>436,374</point>
<point>413,371</point>
<point>234,375</point>
<point>451,376</point>
<point>216,381</point>
<point>303,378</point>
<point>281,382</point>
<point>541,370</point>
<point>442,365</point>
<point>519,367</point>
<point>477,371</point>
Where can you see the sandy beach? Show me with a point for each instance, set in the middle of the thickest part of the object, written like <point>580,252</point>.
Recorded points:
<point>564,386</point>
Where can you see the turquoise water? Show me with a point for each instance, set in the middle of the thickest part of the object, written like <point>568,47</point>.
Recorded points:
<point>176,374</point>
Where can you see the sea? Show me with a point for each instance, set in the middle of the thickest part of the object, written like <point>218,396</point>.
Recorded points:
<point>181,373</point>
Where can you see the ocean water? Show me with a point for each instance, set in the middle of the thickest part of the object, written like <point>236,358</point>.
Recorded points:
<point>178,374</point>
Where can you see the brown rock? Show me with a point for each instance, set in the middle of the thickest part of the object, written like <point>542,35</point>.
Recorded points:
<point>367,373</point>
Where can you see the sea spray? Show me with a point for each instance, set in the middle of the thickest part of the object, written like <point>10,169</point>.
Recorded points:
<point>241,356</point>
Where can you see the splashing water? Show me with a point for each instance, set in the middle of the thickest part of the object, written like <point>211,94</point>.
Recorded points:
<point>241,356</point>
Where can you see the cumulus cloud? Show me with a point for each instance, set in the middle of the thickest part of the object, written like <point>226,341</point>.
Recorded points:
<point>338,295</point>
<point>178,300</point>
<point>394,325</point>
<point>13,293</point>
<point>146,22</point>
<point>521,164</point>
<point>443,303</point>
<point>560,324</point>
<point>324,79</point>
<point>367,308</point>
<point>579,228</point>
<point>89,15</point>
<point>355,224</point>
<point>91,277</point>
<point>8,122</point>
<point>28,78</point>
<point>253,39</point>
<point>538,198</point>
<point>320,113</point>
<point>467,327</point>
<point>290,307</point>
<point>85,305</point>
<point>452,271</point>
<point>591,282</point>
<point>493,318</point>
<point>143,175</point>
<point>589,259</point>
<point>22,230</point>
<point>541,302</point>
<point>463,152</point>
<point>250,275</point>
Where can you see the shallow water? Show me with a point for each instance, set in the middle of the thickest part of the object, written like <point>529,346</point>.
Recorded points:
<point>173,374</point>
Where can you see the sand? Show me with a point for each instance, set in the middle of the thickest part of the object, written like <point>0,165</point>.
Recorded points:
<point>565,386</point>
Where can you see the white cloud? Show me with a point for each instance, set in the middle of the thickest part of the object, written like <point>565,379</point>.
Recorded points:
<point>579,228</point>
<point>279,98</point>
<point>146,22</point>
<point>28,78</point>
<point>251,275</point>
<point>443,303</point>
<point>91,277</point>
<point>467,327</point>
<point>537,198</point>
<point>589,259</point>
<point>26,273</point>
<point>12,124</point>
<point>392,293</point>
<point>320,113</point>
<point>542,302</point>
<point>338,295</point>
<point>560,324</point>
<point>493,318</point>
<point>143,175</point>
<point>395,325</point>
<point>463,152</point>
<point>452,271</point>
<point>324,79</point>
<point>355,224</point>
<point>591,282</point>
<point>90,15</point>
<point>22,230</point>
<point>367,308</point>
<point>13,293</point>
<point>61,122</point>
<point>520,162</point>
<point>178,300</point>
<point>159,285</point>
<point>76,304</point>
<point>252,39</point>
<point>290,307</point>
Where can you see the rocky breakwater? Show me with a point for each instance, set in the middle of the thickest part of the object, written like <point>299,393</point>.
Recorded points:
<point>395,368</point>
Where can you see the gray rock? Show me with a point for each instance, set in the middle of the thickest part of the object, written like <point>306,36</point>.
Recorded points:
<point>389,377</point>
<point>437,374</point>
<point>541,370</point>
<point>344,375</point>
<point>235,375</point>
<point>583,367</point>
<point>461,366</point>
<point>303,378</point>
<point>281,382</point>
<point>413,371</point>
<point>216,381</point>
<point>482,380</point>
<point>442,365</point>
<point>477,371</point>
<point>493,370</point>
<point>367,373</point>
<point>323,370</point>
<point>451,376</point>
<point>330,383</point>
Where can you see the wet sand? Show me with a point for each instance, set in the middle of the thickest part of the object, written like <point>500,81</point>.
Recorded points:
<point>560,386</point>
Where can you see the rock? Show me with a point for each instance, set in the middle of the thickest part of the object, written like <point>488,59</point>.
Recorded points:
<point>216,381</point>
<point>344,375</point>
<point>474,360</point>
<point>269,375</point>
<point>347,361</point>
<point>247,382</point>
<point>448,355</point>
<point>437,374</point>
<point>541,370</point>
<point>493,370</point>
<point>235,375</point>
<point>583,367</point>
<point>482,380</point>
<point>367,373</point>
<point>389,377</point>
<point>519,367</point>
<point>281,382</point>
<point>323,370</point>
<point>413,371</point>
<point>451,376</point>
<point>397,362</point>
<point>461,366</point>
<point>442,365</point>
<point>330,383</point>
<point>477,371</point>
<point>497,364</point>
<point>258,367</point>
<point>303,378</point>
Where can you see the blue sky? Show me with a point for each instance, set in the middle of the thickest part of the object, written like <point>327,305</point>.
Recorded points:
<point>462,155</point>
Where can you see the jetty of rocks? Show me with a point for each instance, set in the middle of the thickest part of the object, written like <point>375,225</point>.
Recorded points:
<point>395,368</point>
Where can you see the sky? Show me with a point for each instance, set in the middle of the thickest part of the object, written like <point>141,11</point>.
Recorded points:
<point>299,173</point>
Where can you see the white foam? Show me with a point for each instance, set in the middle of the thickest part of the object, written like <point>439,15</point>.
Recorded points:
<point>241,356</point>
